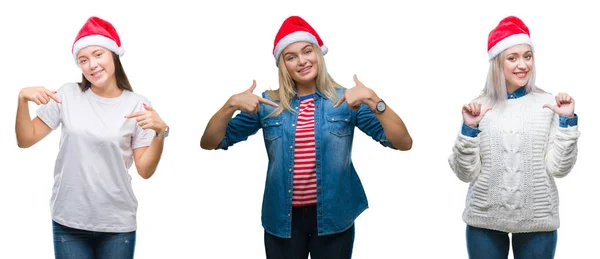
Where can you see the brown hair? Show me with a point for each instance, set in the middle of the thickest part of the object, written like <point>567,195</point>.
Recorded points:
<point>122,81</point>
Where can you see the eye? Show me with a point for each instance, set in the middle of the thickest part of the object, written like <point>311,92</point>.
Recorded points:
<point>81,61</point>
<point>290,58</point>
<point>99,54</point>
<point>308,51</point>
<point>528,56</point>
<point>511,58</point>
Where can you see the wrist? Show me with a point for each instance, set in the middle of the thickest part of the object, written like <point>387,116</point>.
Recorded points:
<point>474,126</point>
<point>231,104</point>
<point>161,128</point>
<point>21,97</point>
<point>162,132</point>
<point>372,100</point>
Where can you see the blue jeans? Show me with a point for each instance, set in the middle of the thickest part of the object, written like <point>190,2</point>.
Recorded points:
<point>492,244</point>
<point>71,243</point>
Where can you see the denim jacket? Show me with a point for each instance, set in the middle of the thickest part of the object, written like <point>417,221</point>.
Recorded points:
<point>340,195</point>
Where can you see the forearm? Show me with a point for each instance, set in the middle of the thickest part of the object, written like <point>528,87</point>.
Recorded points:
<point>149,160</point>
<point>394,129</point>
<point>217,125</point>
<point>465,160</point>
<point>23,126</point>
<point>562,152</point>
<point>393,126</point>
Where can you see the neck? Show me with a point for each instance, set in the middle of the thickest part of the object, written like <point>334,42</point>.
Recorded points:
<point>109,91</point>
<point>306,88</point>
<point>512,88</point>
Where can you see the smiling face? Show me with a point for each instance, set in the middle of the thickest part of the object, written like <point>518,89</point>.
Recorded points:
<point>518,64</point>
<point>301,62</point>
<point>97,65</point>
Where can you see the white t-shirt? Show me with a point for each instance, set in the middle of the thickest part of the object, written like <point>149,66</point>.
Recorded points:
<point>92,187</point>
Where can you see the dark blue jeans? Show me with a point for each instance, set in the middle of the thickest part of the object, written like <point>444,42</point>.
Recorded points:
<point>71,243</point>
<point>305,239</point>
<point>492,244</point>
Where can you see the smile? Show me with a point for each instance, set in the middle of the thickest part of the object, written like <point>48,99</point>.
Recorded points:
<point>304,70</point>
<point>521,74</point>
<point>95,74</point>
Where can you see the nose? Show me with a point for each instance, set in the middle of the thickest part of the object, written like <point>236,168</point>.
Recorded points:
<point>521,64</point>
<point>302,61</point>
<point>93,63</point>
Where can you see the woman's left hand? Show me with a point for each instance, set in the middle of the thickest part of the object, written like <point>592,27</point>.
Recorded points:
<point>565,105</point>
<point>149,119</point>
<point>358,95</point>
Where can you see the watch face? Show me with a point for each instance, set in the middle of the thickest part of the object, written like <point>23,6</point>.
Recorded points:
<point>380,106</point>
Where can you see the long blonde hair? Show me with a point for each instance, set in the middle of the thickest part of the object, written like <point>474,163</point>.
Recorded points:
<point>494,91</point>
<point>285,93</point>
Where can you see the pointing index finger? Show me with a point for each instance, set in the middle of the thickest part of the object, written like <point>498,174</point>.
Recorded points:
<point>52,95</point>
<point>268,102</point>
<point>135,114</point>
<point>343,99</point>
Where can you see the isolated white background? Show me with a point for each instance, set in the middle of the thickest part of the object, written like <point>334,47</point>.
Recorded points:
<point>424,58</point>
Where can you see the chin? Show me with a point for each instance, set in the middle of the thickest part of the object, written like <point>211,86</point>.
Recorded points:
<point>523,83</point>
<point>309,78</point>
<point>99,84</point>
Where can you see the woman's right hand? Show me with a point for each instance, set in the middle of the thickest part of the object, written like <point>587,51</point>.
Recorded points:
<point>473,114</point>
<point>248,102</point>
<point>38,95</point>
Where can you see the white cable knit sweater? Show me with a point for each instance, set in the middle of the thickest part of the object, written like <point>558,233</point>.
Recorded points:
<point>511,166</point>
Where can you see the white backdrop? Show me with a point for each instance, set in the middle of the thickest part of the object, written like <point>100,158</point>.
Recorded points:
<point>424,58</point>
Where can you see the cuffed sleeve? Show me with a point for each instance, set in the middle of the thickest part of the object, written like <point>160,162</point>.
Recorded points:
<point>561,151</point>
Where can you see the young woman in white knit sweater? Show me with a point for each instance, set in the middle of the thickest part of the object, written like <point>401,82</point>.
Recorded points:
<point>514,141</point>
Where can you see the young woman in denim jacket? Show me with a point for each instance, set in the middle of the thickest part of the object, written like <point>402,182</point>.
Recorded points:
<point>312,193</point>
<point>515,140</point>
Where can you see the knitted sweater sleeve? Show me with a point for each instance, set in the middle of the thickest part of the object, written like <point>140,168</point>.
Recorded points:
<point>465,160</point>
<point>561,151</point>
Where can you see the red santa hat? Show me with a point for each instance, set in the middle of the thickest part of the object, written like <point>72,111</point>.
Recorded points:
<point>98,32</point>
<point>292,30</point>
<point>510,31</point>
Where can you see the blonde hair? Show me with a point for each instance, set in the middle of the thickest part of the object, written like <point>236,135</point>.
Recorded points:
<point>285,93</point>
<point>495,91</point>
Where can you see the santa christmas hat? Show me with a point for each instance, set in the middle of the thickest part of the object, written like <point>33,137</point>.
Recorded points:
<point>509,32</point>
<point>97,32</point>
<point>295,29</point>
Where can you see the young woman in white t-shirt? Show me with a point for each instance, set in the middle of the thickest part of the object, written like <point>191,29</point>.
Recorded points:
<point>105,127</point>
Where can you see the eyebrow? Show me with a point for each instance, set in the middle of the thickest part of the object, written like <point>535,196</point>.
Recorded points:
<point>93,52</point>
<point>307,45</point>
<point>517,53</point>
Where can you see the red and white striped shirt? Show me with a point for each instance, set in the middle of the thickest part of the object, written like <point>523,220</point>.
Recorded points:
<point>305,174</point>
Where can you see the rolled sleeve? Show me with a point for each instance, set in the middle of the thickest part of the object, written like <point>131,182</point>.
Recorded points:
<point>469,132</point>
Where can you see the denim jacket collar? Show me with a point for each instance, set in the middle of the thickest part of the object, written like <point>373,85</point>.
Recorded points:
<point>517,93</point>
<point>316,93</point>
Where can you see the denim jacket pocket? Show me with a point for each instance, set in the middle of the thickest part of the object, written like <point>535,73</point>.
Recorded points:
<point>339,124</point>
<point>272,128</point>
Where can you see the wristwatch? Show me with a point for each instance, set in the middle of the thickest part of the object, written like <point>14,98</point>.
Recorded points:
<point>379,107</point>
<point>164,134</point>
